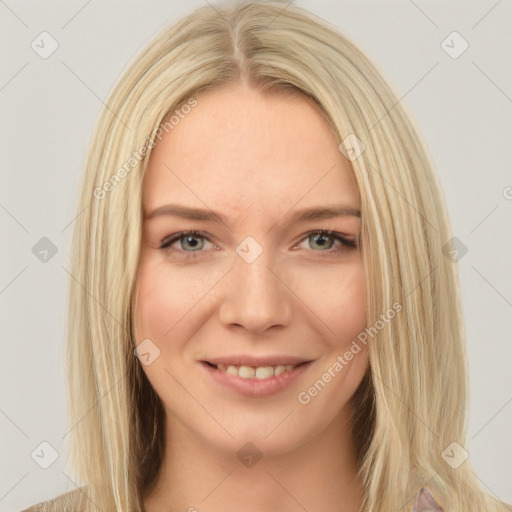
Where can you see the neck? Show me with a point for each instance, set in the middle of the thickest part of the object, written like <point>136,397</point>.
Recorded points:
<point>319,475</point>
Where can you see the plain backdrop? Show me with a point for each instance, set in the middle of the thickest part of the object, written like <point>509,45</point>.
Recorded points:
<point>462,103</point>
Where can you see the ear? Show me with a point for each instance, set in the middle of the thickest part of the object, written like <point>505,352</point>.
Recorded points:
<point>425,502</point>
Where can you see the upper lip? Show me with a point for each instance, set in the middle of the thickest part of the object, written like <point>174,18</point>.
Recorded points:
<point>248,360</point>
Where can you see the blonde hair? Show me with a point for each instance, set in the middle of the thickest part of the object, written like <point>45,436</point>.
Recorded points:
<point>412,402</point>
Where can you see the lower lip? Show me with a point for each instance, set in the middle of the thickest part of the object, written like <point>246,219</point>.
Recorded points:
<point>256,387</point>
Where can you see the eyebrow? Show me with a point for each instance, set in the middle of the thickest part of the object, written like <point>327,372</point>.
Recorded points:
<point>303,215</point>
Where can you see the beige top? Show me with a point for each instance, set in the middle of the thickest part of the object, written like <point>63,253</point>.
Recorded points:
<point>74,501</point>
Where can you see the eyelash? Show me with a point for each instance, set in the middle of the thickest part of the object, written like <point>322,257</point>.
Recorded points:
<point>346,244</point>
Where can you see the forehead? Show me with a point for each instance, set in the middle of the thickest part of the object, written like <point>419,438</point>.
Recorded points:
<point>240,150</point>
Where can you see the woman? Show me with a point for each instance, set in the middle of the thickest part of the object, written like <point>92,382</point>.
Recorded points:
<point>309,354</point>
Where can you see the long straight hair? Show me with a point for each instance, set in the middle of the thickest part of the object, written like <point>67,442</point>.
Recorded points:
<point>412,403</point>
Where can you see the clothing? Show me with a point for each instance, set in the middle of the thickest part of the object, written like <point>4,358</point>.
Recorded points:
<point>74,501</point>
<point>424,501</point>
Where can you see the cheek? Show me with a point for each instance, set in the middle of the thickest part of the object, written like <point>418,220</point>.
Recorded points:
<point>160,305</point>
<point>155,305</point>
<point>164,314</point>
<point>166,297</point>
<point>339,300</point>
<point>353,301</point>
<point>172,304</point>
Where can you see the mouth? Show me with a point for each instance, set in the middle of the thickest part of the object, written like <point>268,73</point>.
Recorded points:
<point>254,372</point>
<point>256,379</point>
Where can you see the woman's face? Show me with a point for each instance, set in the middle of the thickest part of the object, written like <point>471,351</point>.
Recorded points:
<point>231,310</point>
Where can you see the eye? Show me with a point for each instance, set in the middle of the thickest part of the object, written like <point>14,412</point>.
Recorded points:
<point>320,237</point>
<point>193,240</point>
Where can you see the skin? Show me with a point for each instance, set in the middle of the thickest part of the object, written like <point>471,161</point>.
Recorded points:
<point>254,159</point>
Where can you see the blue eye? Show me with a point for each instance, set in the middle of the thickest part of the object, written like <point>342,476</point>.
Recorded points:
<point>195,240</point>
<point>186,237</point>
<point>345,243</point>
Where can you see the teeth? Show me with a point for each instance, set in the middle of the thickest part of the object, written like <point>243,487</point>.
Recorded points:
<point>260,372</point>
<point>263,372</point>
<point>246,372</point>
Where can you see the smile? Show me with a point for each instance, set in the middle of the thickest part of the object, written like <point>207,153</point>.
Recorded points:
<point>253,381</point>
<point>257,372</point>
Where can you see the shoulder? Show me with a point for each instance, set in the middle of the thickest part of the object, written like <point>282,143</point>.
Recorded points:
<point>72,501</point>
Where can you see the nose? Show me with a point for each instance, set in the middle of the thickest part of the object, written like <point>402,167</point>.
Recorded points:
<point>256,296</point>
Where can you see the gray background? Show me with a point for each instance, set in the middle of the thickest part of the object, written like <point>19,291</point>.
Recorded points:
<point>48,106</point>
